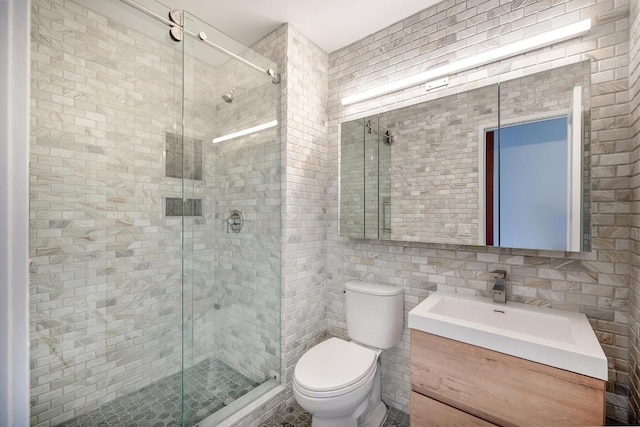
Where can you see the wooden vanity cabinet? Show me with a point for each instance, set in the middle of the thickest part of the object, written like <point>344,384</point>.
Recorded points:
<point>458,384</point>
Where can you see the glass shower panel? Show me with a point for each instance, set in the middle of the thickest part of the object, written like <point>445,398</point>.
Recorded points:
<point>106,246</point>
<point>231,287</point>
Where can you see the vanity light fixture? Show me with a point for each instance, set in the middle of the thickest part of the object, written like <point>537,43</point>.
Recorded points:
<point>512,49</point>
<point>246,131</point>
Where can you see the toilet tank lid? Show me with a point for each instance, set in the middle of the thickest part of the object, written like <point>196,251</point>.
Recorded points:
<point>373,288</point>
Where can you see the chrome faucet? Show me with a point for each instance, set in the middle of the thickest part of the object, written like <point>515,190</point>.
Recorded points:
<point>500,287</point>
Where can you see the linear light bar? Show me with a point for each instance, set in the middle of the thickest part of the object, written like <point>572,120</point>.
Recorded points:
<point>246,131</point>
<point>497,54</point>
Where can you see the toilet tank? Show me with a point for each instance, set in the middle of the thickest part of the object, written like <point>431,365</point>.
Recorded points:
<point>374,313</point>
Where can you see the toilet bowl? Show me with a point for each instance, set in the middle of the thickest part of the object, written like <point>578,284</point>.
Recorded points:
<point>335,380</point>
<point>338,381</point>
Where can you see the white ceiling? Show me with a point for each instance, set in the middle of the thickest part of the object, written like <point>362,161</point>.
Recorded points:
<point>331,24</point>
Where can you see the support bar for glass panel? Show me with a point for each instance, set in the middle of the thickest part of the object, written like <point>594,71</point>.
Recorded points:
<point>149,12</point>
<point>275,78</point>
<point>203,37</point>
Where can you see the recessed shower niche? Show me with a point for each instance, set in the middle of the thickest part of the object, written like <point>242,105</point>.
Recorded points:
<point>183,157</point>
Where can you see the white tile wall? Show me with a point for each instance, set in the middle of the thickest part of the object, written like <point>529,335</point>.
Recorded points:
<point>303,272</point>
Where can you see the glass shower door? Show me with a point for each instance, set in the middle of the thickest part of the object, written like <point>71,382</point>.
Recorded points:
<point>154,234</point>
<point>106,283</point>
<point>231,247</point>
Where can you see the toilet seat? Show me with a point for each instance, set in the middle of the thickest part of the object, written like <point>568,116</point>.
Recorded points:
<point>334,367</point>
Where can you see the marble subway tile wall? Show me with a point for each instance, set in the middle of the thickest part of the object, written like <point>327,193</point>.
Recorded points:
<point>304,118</point>
<point>596,282</point>
<point>304,232</point>
<point>634,285</point>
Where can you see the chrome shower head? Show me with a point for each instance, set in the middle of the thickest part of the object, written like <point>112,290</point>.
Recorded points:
<point>228,97</point>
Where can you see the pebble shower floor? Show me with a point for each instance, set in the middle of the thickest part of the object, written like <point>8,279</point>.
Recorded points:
<point>212,385</point>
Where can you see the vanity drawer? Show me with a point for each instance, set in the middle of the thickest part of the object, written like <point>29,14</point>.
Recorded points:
<point>500,388</point>
<point>426,412</point>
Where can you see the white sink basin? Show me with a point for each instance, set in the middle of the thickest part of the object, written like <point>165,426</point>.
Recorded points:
<point>559,338</point>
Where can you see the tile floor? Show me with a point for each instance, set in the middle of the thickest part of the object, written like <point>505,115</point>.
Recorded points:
<point>295,416</point>
<point>212,386</point>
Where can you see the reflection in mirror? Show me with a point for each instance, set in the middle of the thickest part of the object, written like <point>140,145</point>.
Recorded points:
<point>371,173</point>
<point>458,169</point>
<point>538,162</point>
<point>526,191</point>
<point>364,179</point>
<point>352,177</point>
<point>434,166</point>
<point>385,143</point>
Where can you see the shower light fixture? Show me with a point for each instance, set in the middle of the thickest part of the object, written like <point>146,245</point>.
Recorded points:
<point>493,55</point>
<point>246,131</point>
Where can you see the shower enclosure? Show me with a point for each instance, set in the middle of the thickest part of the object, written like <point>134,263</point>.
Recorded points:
<point>154,217</point>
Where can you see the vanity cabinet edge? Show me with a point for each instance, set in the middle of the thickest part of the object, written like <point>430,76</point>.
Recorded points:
<point>499,388</point>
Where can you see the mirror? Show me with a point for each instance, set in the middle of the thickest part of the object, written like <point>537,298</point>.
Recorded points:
<point>363,208</point>
<point>504,165</point>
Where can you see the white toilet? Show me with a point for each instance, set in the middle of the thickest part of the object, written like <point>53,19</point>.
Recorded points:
<point>338,381</point>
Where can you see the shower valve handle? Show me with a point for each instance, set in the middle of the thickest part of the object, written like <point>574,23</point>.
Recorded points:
<point>235,221</point>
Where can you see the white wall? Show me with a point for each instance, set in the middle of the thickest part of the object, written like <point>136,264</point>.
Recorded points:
<point>14,150</point>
